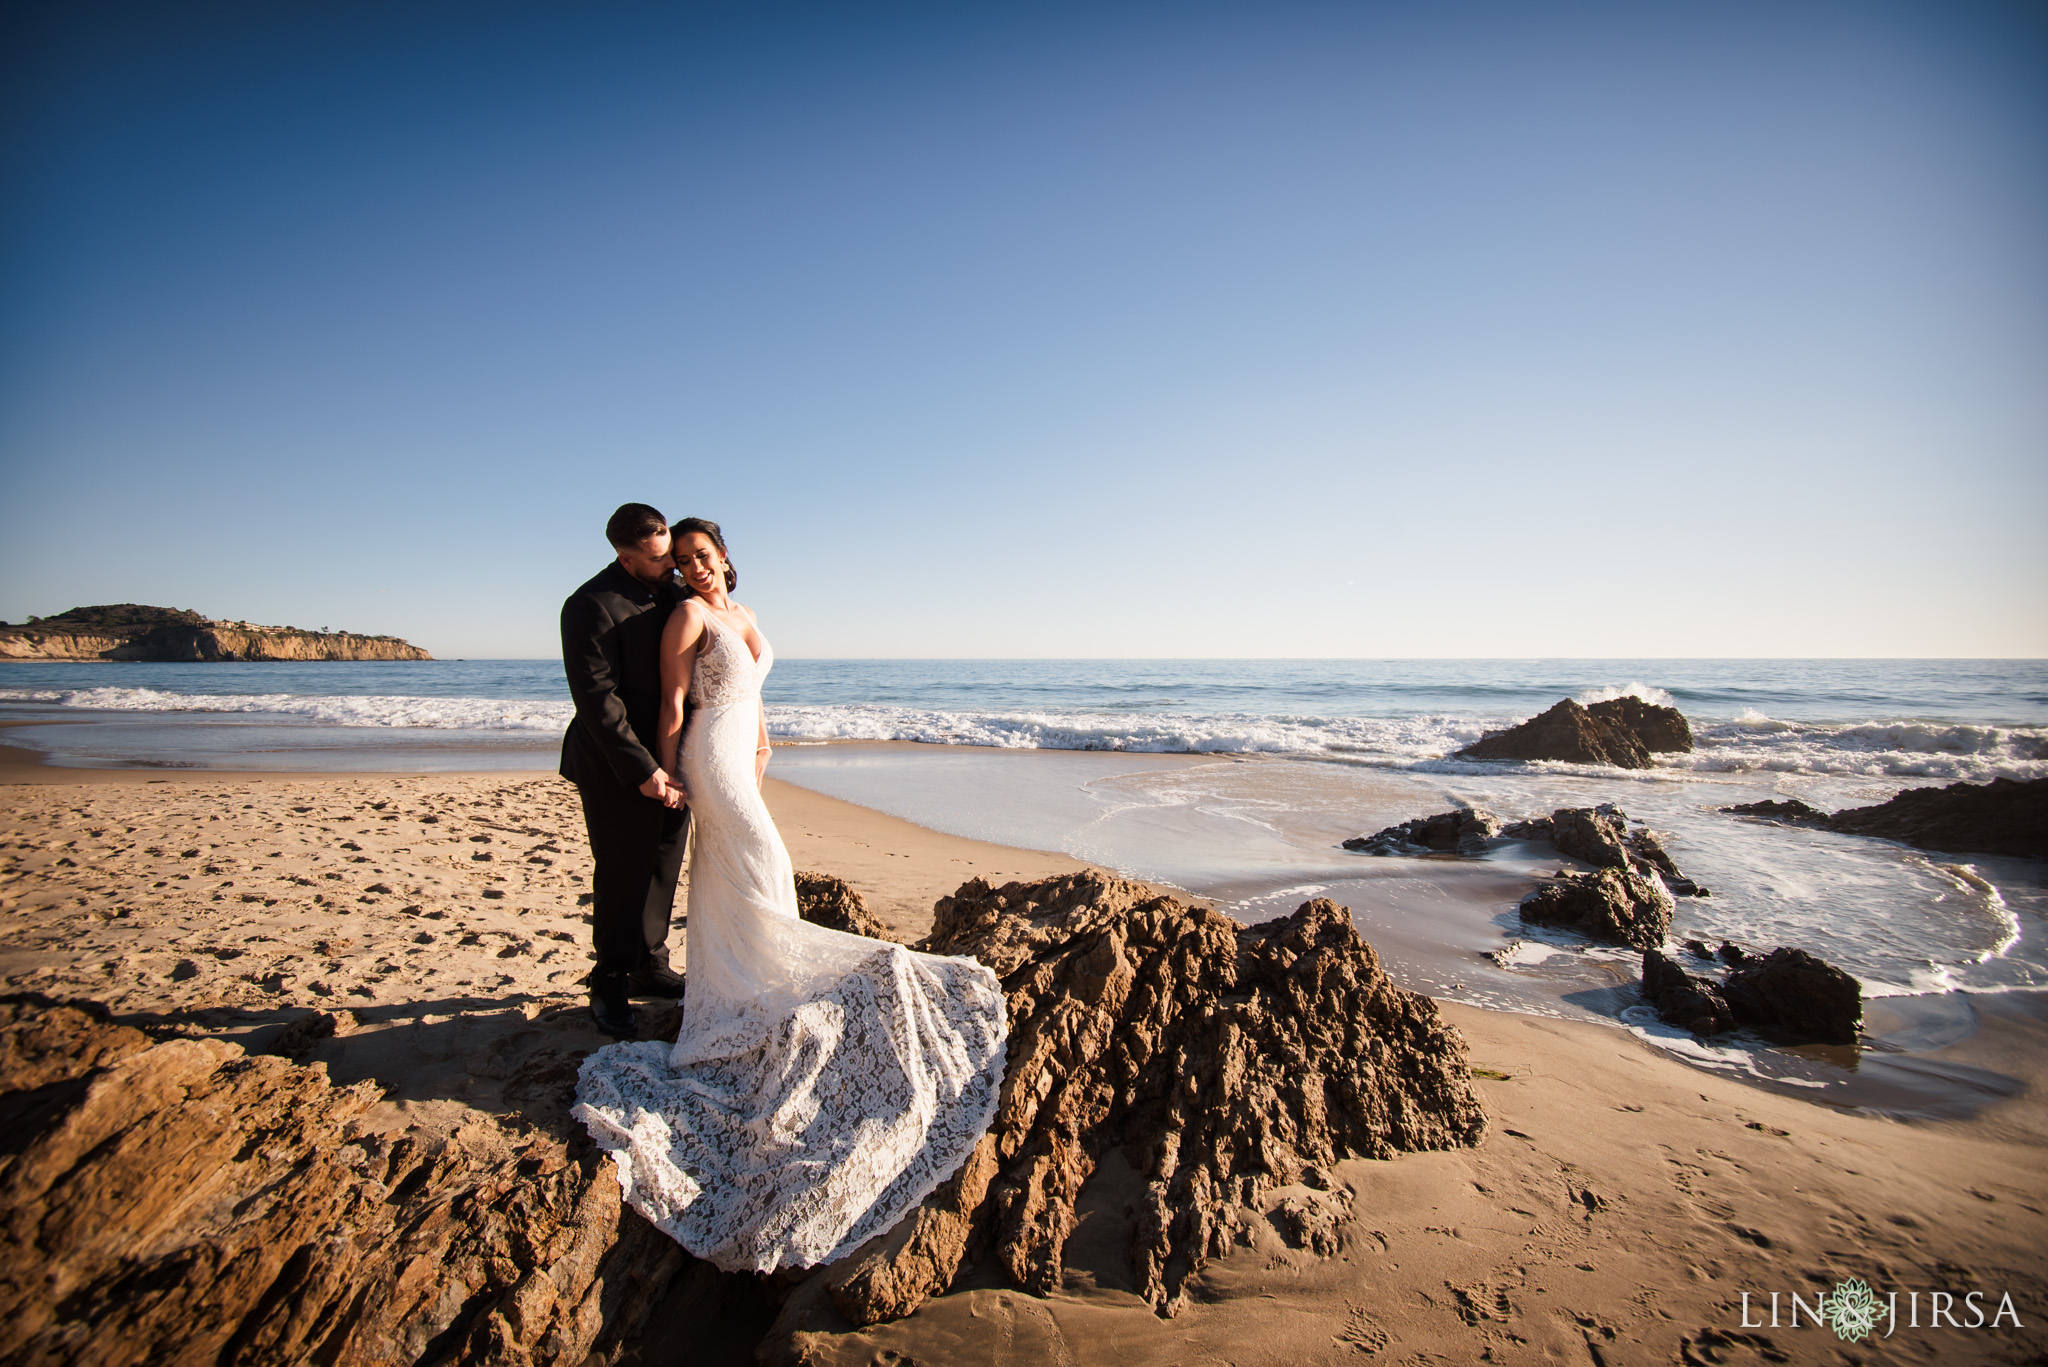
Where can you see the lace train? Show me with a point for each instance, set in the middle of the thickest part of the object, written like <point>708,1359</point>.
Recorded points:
<point>822,1084</point>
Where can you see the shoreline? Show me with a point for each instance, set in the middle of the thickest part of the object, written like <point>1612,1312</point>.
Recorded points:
<point>900,867</point>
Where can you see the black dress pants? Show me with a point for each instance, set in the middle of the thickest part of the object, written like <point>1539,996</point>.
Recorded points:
<point>636,848</point>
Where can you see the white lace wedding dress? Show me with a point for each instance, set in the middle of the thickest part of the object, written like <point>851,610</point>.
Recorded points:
<point>823,1084</point>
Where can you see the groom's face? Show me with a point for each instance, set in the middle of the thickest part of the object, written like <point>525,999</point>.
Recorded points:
<point>648,562</point>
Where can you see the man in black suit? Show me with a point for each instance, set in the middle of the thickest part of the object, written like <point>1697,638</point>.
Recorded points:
<point>611,644</point>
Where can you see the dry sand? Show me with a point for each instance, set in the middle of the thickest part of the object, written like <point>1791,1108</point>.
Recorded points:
<point>1618,1208</point>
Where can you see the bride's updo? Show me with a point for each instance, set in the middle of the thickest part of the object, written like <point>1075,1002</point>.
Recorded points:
<point>680,529</point>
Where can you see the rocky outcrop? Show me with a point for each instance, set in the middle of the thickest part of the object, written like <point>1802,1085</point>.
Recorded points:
<point>1223,1062</point>
<point>1600,836</point>
<point>1795,996</point>
<point>132,631</point>
<point>1660,730</point>
<point>1623,733</point>
<point>1616,906</point>
<point>1567,732</point>
<point>1464,832</point>
<point>832,902</point>
<point>1791,811</point>
<point>2004,816</point>
<point>184,1201</point>
<point>1683,999</point>
<point>1788,994</point>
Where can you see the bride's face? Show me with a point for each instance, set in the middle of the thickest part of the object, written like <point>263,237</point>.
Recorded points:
<point>702,566</point>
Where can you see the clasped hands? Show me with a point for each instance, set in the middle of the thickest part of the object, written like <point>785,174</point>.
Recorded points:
<point>664,790</point>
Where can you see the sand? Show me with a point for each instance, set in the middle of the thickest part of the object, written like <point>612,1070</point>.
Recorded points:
<point>1620,1205</point>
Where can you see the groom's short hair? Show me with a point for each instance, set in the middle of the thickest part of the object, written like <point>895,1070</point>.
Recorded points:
<point>632,524</point>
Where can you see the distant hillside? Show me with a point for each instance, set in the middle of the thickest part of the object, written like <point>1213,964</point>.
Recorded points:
<point>132,631</point>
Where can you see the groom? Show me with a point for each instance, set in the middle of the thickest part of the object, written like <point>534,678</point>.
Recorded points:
<point>611,642</point>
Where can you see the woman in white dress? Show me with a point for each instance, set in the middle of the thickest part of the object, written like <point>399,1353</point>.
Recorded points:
<point>822,1084</point>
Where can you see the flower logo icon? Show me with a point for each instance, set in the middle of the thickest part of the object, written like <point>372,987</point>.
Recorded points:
<point>1851,1309</point>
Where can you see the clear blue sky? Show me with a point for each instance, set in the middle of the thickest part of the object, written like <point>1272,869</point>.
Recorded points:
<point>1072,330</point>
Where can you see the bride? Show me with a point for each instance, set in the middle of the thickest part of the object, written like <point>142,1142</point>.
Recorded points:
<point>822,1084</point>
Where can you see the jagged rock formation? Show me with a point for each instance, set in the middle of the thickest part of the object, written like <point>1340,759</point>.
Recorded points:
<point>1660,730</point>
<point>1684,999</point>
<point>833,903</point>
<point>1623,733</point>
<point>1465,832</point>
<point>1788,994</point>
<point>184,1201</point>
<point>1601,837</point>
<point>1618,906</point>
<point>1222,1061</point>
<point>2004,816</point>
<point>1791,811</point>
<point>1795,996</point>
<point>132,631</point>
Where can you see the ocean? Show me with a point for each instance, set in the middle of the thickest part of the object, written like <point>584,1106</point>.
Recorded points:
<point>1908,719</point>
<point>1236,780</point>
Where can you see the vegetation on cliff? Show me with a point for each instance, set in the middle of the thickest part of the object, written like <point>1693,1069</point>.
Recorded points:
<point>135,631</point>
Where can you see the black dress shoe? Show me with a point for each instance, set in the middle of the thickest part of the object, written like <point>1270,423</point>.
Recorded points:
<point>655,980</point>
<point>613,1014</point>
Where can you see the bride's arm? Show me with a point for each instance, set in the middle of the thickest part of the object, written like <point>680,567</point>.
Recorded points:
<point>679,641</point>
<point>761,750</point>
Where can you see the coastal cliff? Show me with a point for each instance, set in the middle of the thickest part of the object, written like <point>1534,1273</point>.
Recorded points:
<point>132,631</point>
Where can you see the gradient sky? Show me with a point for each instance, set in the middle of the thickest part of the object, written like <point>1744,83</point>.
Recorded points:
<point>1445,329</point>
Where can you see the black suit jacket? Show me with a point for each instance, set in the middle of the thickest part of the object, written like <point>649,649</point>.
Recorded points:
<point>611,651</point>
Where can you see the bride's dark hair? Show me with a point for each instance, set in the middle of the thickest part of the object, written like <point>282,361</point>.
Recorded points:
<point>679,529</point>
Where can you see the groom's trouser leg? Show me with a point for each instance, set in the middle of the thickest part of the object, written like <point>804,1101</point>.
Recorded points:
<point>636,855</point>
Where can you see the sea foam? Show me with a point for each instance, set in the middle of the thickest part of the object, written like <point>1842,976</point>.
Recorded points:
<point>1747,743</point>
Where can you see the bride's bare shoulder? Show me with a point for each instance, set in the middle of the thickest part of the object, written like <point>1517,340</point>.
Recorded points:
<point>686,623</point>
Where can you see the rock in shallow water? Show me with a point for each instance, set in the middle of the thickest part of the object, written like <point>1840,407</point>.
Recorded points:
<point>1795,996</point>
<point>1223,1061</point>
<point>1567,732</point>
<point>1618,906</point>
<point>1464,832</point>
<point>1683,999</point>
<point>1600,836</point>
<point>2004,816</point>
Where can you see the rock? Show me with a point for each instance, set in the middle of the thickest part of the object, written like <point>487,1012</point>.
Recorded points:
<point>1684,999</point>
<point>196,1203</point>
<point>305,1034</point>
<point>833,903</point>
<point>2004,816</point>
<point>891,1276</point>
<point>1791,811</point>
<point>1567,732</point>
<point>1223,1061</point>
<point>1660,730</point>
<point>1465,831</point>
<point>1646,852</point>
<point>1313,1220</point>
<point>1733,955</point>
<point>1600,836</point>
<point>1794,996</point>
<point>1597,835</point>
<point>1618,906</point>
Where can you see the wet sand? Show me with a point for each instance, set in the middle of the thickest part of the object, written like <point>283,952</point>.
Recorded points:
<point>1618,1208</point>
